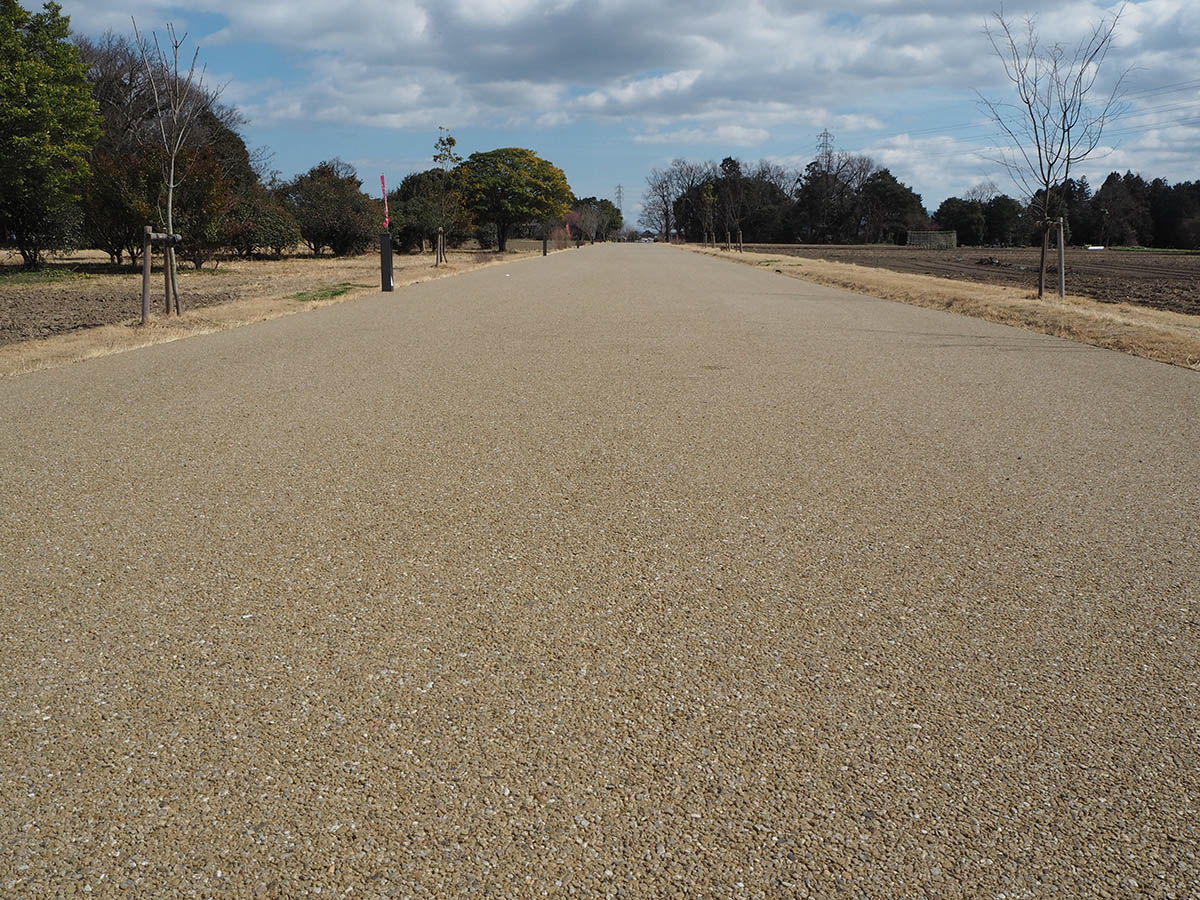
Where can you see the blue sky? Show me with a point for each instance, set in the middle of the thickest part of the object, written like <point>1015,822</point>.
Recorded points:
<point>608,89</point>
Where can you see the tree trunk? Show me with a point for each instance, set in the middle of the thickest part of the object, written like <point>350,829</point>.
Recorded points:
<point>169,256</point>
<point>167,281</point>
<point>175,281</point>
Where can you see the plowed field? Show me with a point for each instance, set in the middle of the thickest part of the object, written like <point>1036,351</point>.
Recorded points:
<point>82,291</point>
<point>1162,280</point>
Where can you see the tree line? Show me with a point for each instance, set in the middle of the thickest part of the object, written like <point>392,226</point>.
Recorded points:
<point>490,197</point>
<point>87,159</point>
<point>837,198</point>
<point>93,150</point>
<point>847,198</point>
<point>1126,211</point>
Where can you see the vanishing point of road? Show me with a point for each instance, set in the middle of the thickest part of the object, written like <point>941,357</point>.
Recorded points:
<point>624,572</point>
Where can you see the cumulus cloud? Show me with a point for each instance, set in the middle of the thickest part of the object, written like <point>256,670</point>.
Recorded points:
<point>722,136</point>
<point>695,73</point>
<point>635,95</point>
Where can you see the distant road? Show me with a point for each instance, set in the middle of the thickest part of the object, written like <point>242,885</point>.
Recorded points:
<point>621,570</point>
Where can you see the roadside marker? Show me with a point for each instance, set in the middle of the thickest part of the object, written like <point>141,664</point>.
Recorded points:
<point>386,281</point>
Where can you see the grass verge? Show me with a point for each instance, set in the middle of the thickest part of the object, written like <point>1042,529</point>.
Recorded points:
<point>47,275</point>
<point>1149,333</point>
<point>328,293</point>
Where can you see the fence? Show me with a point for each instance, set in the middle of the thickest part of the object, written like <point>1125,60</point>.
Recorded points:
<point>933,240</point>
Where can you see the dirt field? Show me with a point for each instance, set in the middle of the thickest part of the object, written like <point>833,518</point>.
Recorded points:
<point>1145,277</point>
<point>82,290</point>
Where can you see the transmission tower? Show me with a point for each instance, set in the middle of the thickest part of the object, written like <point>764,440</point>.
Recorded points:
<point>621,199</point>
<point>825,150</point>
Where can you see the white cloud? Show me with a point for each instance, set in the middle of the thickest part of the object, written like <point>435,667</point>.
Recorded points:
<point>936,167</point>
<point>722,135</point>
<point>635,94</point>
<point>700,73</point>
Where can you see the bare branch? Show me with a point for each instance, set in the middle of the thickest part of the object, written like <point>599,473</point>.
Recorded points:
<point>1055,123</point>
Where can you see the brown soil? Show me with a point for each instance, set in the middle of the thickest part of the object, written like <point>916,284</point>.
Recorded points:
<point>1152,278</point>
<point>81,290</point>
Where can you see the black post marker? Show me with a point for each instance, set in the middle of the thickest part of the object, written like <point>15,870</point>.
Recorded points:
<point>385,262</point>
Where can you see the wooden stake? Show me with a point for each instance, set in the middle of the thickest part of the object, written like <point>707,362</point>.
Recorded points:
<point>1042,267</point>
<point>1062,263</point>
<point>146,274</point>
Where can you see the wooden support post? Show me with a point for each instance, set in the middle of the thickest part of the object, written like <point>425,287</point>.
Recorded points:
<point>1042,266</point>
<point>170,283</point>
<point>1062,263</point>
<point>146,274</point>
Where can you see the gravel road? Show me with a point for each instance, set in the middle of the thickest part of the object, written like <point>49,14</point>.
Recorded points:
<point>624,572</point>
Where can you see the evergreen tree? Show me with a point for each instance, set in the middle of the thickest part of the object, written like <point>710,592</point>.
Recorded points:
<point>48,123</point>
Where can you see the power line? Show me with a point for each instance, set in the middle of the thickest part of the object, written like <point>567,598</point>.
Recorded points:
<point>1167,88</point>
<point>981,140</point>
<point>985,125</point>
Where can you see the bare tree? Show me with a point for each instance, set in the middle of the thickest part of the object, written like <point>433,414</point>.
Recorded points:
<point>708,211</point>
<point>1055,122</point>
<point>830,187</point>
<point>117,197</point>
<point>854,170</point>
<point>604,219</point>
<point>774,174</point>
<point>658,202</point>
<point>179,97</point>
<point>686,178</point>
<point>731,194</point>
<point>589,221</point>
<point>445,158</point>
<point>982,192</point>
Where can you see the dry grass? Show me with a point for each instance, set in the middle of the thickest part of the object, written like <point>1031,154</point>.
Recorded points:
<point>1150,333</point>
<point>266,290</point>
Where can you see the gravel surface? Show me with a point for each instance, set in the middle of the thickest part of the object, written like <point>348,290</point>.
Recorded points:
<point>624,572</point>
